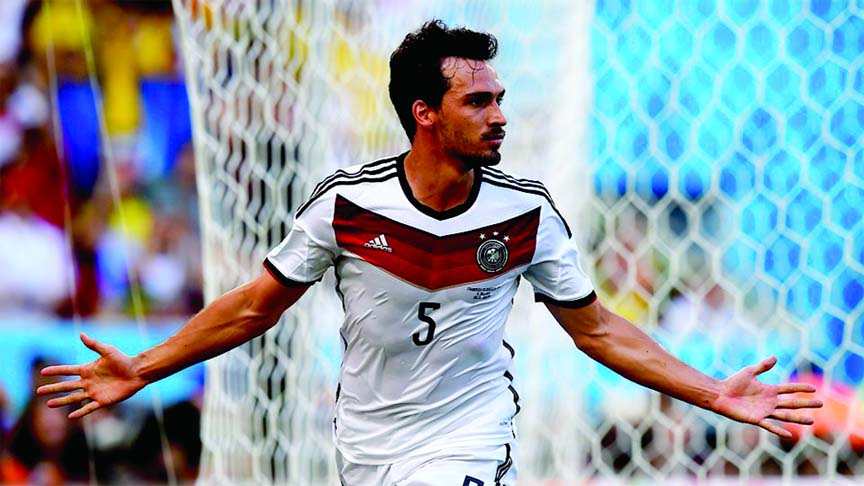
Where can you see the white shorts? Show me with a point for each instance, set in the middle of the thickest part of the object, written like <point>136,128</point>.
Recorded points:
<point>481,466</point>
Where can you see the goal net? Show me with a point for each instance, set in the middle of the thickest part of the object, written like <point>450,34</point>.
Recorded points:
<point>709,154</point>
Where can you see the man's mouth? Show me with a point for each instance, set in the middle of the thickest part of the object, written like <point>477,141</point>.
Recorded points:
<point>494,136</point>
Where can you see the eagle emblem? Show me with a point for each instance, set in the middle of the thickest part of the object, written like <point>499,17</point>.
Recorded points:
<point>492,255</point>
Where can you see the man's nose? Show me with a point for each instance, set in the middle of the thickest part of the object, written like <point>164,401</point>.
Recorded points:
<point>497,117</point>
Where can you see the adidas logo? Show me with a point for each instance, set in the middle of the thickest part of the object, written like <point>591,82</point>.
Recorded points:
<point>379,243</point>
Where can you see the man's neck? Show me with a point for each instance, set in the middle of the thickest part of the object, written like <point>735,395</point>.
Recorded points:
<point>437,180</point>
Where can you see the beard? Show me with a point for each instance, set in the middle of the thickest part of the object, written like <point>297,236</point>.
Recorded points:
<point>474,161</point>
<point>482,157</point>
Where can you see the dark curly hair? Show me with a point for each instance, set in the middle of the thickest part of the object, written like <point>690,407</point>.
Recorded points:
<point>415,66</point>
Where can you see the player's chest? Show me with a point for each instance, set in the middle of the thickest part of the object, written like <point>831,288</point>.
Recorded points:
<point>436,261</point>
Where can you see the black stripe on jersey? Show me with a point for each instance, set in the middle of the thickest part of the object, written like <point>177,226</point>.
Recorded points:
<point>341,299</point>
<point>529,190</point>
<point>505,177</point>
<point>343,173</point>
<point>344,350</point>
<point>275,273</point>
<point>371,168</point>
<point>513,391</point>
<point>528,183</point>
<point>504,466</point>
<point>521,183</point>
<point>347,182</point>
<point>509,348</point>
<point>567,304</point>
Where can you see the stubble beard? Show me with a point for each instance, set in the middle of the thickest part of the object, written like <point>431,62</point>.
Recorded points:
<point>475,160</point>
<point>480,157</point>
<point>491,158</point>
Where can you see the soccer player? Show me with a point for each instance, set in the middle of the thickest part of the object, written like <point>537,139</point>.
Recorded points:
<point>428,249</point>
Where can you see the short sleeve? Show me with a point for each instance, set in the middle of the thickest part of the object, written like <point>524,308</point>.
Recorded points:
<point>309,249</point>
<point>555,271</point>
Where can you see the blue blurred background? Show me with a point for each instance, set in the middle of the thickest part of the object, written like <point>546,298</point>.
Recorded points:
<point>747,117</point>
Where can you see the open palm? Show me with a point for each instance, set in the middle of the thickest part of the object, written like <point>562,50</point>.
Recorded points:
<point>746,399</point>
<point>109,379</point>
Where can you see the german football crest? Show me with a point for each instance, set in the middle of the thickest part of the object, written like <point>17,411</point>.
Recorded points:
<point>492,254</point>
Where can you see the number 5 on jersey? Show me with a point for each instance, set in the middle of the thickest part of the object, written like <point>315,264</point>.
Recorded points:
<point>423,314</point>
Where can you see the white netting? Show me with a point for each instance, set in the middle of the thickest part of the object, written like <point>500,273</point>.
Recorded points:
<point>283,92</point>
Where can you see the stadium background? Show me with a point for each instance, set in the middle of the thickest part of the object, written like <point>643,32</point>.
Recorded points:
<point>726,171</point>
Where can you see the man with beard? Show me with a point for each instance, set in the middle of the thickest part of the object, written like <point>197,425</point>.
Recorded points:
<point>429,248</point>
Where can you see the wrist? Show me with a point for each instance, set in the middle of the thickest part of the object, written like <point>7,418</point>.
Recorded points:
<point>714,396</point>
<point>139,370</point>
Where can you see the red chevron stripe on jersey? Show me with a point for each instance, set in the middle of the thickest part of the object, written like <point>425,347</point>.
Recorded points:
<point>435,262</point>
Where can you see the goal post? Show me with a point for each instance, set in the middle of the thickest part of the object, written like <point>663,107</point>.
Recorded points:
<point>703,152</point>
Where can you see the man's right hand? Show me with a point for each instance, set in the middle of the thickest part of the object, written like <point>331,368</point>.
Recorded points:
<point>109,379</point>
<point>227,322</point>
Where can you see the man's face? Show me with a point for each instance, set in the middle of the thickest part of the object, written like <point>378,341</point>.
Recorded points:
<point>470,122</point>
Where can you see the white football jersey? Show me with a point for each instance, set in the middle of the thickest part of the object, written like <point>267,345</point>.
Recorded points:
<point>426,295</point>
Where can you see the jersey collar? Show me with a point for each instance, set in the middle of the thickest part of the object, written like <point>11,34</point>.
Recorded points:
<point>439,215</point>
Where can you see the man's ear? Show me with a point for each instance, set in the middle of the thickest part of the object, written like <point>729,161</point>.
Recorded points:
<point>424,115</point>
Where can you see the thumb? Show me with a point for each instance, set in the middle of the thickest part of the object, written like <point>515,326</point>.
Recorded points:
<point>765,365</point>
<point>95,345</point>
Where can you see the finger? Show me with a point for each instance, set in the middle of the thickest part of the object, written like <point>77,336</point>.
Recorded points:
<point>775,429</point>
<point>95,345</point>
<point>765,365</point>
<point>61,370</point>
<point>86,409</point>
<point>63,386</point>
<point>795,388</point>
<point>795,418</point>
<point>76,397</point>
<point>793,403</point>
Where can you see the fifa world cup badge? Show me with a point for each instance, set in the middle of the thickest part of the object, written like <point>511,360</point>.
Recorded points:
<point>492,254</point>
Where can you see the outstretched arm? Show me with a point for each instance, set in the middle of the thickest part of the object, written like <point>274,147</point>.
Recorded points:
<point>228,321</point>
<point>616,343</point>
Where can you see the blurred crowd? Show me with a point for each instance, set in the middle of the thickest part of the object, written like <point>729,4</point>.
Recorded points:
<point>98,212</point>
<point>98,216</point>
<point>121,445</point>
